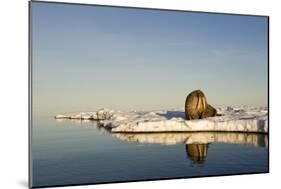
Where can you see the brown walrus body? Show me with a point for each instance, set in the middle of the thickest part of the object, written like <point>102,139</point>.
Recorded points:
<point>196,106</point>
<point>209,112</point>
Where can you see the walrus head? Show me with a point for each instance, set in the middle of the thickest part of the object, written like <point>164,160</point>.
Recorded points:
<point>196,106</point>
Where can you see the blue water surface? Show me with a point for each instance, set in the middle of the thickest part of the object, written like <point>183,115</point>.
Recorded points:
<point>67,152</point>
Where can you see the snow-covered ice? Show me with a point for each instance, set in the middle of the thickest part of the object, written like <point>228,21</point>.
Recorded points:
<point>233,119</point>
<point>100,114</point>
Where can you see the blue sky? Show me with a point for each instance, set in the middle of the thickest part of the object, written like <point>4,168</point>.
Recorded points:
<point>87,57</point>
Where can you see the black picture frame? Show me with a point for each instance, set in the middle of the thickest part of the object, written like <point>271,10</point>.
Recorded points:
<point>30,87</point>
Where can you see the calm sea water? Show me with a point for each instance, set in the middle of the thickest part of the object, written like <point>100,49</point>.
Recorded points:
<point>66,152</point>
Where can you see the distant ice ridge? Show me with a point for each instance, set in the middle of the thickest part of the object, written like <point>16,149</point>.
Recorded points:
<point>234,119</point>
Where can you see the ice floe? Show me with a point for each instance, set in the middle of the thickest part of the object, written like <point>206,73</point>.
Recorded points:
<point>100,114</point>
<point>233,119</point>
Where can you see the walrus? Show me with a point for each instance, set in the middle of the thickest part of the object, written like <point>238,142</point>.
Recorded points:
<point>196,106</point>
<point>197,152</point>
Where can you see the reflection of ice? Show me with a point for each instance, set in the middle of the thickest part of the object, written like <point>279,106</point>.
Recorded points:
<point>60,120</point>
<point>76,121</point>
<point>195,138</point>
<point>179,137</point>
<point>86,123</point>
<point>104,131</point>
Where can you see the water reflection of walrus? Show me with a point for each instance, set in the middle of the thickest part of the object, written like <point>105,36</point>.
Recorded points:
<point>196,106</point>
<point>197,152</point>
